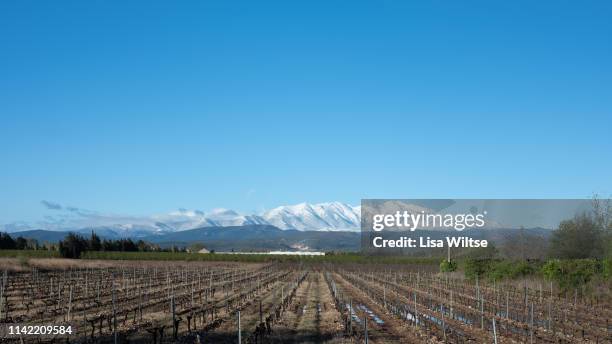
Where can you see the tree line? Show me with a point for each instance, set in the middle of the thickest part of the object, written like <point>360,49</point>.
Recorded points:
<point>19,243</point>
<point>578,252</point>
<point>73,245</point>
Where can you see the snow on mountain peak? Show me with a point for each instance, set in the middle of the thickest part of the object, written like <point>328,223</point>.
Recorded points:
<point>328,216</point>
<point>302,216</point>
<point>320,216</point>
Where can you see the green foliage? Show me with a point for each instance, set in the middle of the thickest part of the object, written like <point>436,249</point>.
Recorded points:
<point>607,268</point>
<point>123,245</point>
<point>446,266</point>
<point>350,258</point>
<point>173,256</point>
<point>607,243</point>
<point>579,238</point>
<point>500,270</point>
<point>72,246</point>
<point>476,267</point>
<point>571,274</point>
<point>524,268</point>
<point>95,243</point>
<point>487,265</point>
<point>8,243</point>
<point>21,243</point>
<point>479,261</point>
<point>507,269</point>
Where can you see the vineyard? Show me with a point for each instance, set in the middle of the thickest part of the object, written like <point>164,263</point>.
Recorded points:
<point>228,302</point>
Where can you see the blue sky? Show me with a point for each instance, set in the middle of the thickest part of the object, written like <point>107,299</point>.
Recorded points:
<point>145,107</point>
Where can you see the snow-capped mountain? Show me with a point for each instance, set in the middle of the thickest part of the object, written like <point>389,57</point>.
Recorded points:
<point>331,216</point>
<point>227,217</point>
<point>322,216</point>
<point>303,216</point>
<point>188,219</point>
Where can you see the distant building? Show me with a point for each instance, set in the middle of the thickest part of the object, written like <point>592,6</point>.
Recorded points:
<point>298,253</point>
<point>285,253</point>
<point>203,250</point>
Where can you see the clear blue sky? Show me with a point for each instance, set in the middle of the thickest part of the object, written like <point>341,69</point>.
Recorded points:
<point>144,107</point>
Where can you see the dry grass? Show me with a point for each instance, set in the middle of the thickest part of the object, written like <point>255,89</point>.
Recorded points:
<point>17,264</point>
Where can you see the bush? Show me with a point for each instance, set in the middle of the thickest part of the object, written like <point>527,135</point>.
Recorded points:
<point>446,266</point>
<point>477,267</point>
<point>578,238</point>
<point>500,270</point>
<point>607,268</point>
<point>571,274</point>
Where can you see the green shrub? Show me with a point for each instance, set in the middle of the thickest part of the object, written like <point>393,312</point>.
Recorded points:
<point>500,270</point>
<point>573,273</point>
<point>446,266</point>
<point>477,267</point>
<point>507,269</point>
<point>348,258</point>
<point>522,269</point>
<point>579,238</point>
<point>607,268</point>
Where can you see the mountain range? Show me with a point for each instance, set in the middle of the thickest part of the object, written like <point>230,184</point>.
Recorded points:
<point>329,216</point>
<point>258,238</point>
<point>326,226</point>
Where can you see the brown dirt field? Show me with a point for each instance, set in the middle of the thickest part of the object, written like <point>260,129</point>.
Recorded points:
<point>312,318</point>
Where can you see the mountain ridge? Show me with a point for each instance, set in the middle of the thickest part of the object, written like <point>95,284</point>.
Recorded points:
<point>257,238</point>
<point>327,216</point>
<point>239,238</point>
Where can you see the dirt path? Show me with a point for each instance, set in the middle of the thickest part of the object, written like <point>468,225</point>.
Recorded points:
<point>312,317</point>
